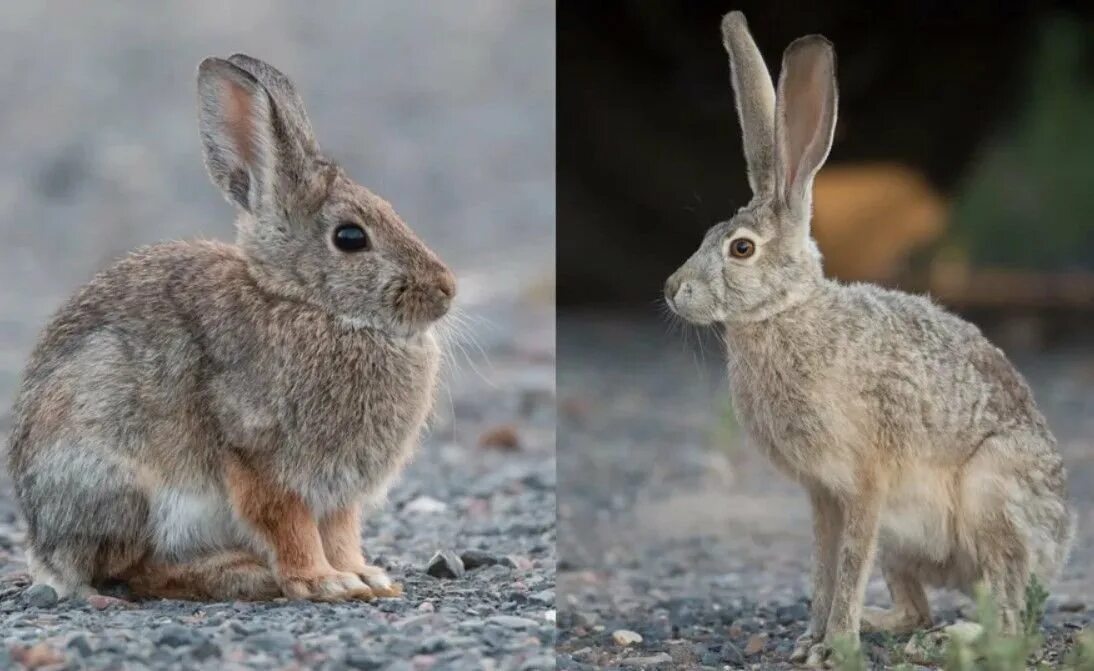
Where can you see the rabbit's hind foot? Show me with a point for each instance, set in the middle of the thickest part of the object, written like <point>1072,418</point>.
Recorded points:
<point>230,576</point>
<point>66,580</point>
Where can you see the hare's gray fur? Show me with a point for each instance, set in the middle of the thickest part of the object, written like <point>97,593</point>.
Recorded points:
<point>909,430</point>
<point>207,420</point>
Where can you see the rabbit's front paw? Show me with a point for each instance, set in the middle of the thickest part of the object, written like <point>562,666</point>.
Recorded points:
<point>326,586</point>
<point>379,582</point>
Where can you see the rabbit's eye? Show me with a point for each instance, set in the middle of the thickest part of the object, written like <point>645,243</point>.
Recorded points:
<point>350,238</point>
<point>742,248</point>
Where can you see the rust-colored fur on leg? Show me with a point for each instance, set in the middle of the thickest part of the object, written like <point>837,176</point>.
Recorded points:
<point>282,520</point>
<point>224,577</point>
<point>341,534</point>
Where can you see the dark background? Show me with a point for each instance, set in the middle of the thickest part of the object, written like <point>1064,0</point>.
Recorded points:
<point>649,147</point>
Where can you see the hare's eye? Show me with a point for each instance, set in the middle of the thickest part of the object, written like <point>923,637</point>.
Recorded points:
<point>742,248</point>
<point>350,238</point>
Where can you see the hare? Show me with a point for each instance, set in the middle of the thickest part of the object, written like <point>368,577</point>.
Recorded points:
<point>911,433</point>
<point>207,421</point>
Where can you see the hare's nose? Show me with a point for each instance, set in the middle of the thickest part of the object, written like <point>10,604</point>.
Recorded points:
<point>672,287</point>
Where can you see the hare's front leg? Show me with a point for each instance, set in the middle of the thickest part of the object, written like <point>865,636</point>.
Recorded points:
<point>341,533</point>
<point>858,543</point>
<point>289,533</point>
<point>827,527</point>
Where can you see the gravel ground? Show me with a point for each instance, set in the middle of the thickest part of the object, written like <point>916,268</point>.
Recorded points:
<point>673,528</point>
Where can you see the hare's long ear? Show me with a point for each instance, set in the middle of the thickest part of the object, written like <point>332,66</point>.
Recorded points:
<point>805,119</point>
<point>755,95</point>
<point>261,154</point>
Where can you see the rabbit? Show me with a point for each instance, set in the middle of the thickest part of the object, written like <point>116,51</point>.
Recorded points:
<point>915,438</point>
<point>208,421</point>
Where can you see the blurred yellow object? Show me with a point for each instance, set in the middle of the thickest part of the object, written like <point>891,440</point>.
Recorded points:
<point>868,218</point>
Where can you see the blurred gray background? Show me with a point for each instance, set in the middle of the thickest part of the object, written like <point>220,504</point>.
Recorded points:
<point>444,109</point>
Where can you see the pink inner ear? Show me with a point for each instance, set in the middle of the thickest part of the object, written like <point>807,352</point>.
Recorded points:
<point>239,120</point>
<point>803,114</point>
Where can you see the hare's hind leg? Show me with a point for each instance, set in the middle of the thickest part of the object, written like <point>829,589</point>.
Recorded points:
<point>229,576</point>
<point>910,610</point>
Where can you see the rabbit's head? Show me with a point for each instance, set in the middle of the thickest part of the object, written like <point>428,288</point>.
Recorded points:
<point>308,232</point>
<point>764,259</point>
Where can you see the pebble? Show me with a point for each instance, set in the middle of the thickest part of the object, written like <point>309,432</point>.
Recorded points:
<point>79,645</point>
<point>425,505</point>
<point>445,564</point>
<point>796,612</point>
<point>473,559</point>
<point>365,661</point>
<point>41,596</point>
<point>652,660</point>
<point>175,635</point>
<point>756,644</point>
<point>626,637</point>
<point>512,621</point>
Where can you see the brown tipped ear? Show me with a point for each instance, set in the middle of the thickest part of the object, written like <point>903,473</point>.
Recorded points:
<point>805,118</point>
<point>234,114</point>
<point>755,96</point>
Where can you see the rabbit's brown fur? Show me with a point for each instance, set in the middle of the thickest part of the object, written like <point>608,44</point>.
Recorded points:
<point>910,432</point>
<point>200,400</point>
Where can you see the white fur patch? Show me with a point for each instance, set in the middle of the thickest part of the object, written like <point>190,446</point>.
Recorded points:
<point>186,523</point>
<point>918,515</point>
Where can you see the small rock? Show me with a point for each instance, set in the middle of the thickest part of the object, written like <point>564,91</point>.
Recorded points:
<point>425,505</point>
<point>79,645</point>
<point>473,559</point>
<point>652,660</point>
<point>426,607</point>
<point>756,644</point>
<point>550,615</point>
<point>512,622</point>
<point>731,655</point>
<point>36,656</point>
<point>205,649</point>
<point>964,631</point>
<point>359,659</point>
<point>796,612</point>
<point>1072,606</point>
<point>41,596</point>
<point>175,636</point>
<point>271,642</point>
<point>503,437</point>
<point>545,597</point>
<point>625,637</point>
<point>445,564</point>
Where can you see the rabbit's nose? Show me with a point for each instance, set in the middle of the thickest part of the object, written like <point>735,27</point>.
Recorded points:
<point>446,285</point>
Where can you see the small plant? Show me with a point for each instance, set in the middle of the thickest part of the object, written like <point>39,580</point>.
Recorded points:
<point>1034,613</point>
<point>847,656</point>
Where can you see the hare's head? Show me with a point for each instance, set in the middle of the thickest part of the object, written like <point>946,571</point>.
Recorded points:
<point>306,229</point>
<point>763,259</point>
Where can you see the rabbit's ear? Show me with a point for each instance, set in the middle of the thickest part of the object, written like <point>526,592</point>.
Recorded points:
<point>755,95</point>
<point>805,119</point>
<point>287,101</point>
<point>262,157</point>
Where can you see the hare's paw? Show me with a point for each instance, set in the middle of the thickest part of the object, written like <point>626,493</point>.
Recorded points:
<point>893,621</point>
<point>379,582</point>
<point>819,656</point>
<point>801,647</point>
<point>326,586</point>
